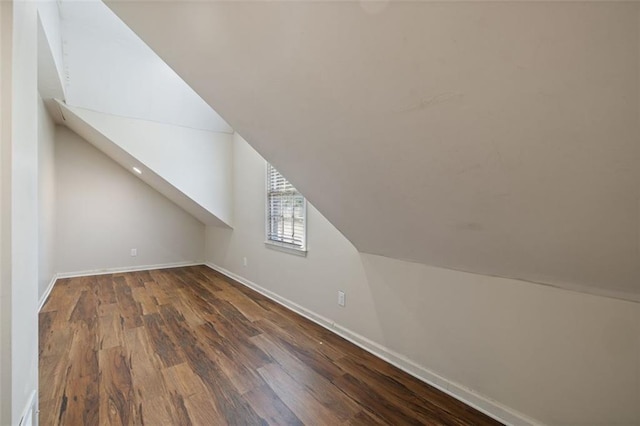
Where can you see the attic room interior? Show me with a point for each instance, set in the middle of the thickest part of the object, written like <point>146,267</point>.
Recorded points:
<point>358,212</point>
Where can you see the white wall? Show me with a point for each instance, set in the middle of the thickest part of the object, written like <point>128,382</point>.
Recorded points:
<point>46,198</point>
<point>24,209</point>
<point>195,162</point>
<point>111,70</point>
<point>103,211</point>
<point>557,356</point>
<point>6,18</point>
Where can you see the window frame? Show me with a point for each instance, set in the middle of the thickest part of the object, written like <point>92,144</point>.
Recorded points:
<point>279,245</point>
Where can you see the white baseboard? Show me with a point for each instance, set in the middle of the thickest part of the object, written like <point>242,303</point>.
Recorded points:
<point>105,271</point>
<point>123,269</point>
<point>480,402</point>
<point>47,292</point>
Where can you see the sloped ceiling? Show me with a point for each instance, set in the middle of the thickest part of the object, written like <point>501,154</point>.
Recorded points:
<point>109,69</point>
<point>100,80</point>
<point>117,139</point>
<point>494,137</point>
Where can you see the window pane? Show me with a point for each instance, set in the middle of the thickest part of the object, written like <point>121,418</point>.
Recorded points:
<point>285,211</point>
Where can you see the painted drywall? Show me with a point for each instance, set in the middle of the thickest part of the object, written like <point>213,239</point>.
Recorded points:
<point>49,14</point>
<point>111,70</point>
<point>556,356</point>
<point>197,163</point>
<point>83,128</point>
<point>24,209</point>
<point>46,198</point>
<point>6,38</point>
<point>492,137</point>
<point>103,211</point>
<point>51,71</point>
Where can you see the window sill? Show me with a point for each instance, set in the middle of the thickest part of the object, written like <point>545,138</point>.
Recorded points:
<point>273,245</point>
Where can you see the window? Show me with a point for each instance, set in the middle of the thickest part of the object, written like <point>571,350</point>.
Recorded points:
<point>286,213</point>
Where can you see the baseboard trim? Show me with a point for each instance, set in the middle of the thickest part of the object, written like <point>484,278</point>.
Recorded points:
<point>480,402</point>
<point>105,271</point>
<point>123,269</point>
<point>47,292</point>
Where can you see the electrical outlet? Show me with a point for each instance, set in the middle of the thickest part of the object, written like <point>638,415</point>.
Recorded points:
<point>134,252</point>
<point>341,297</point>
<point>244,261</point>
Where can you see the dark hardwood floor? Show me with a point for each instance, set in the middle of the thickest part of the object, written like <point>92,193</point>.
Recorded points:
<point>188,346</point>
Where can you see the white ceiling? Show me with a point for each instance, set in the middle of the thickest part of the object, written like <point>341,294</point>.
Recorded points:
<point>495,137</point>
<point>109,69</point>
<point>100,80</point>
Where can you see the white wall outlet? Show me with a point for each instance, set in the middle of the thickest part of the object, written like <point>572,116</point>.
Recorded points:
<point>244,261</point>
<point>341,297</point>
<point>134,252</point>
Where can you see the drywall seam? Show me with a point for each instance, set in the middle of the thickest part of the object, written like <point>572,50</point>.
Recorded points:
<point>47,292</point>
<point>480,402</point>
<point>124,269</point>
<point>71,104</point>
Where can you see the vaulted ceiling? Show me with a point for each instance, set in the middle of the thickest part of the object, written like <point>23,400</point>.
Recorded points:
<point>114,91</point>
<point>500,138</point>
<point>109,69</point>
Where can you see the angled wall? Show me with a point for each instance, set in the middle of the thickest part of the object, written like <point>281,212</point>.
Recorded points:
<point>120,96</point>
<point>526,353</point>
<point>189,166</point>
<point>110,70</point>
<point>104,210</point>
<point>497,138</point>
<point>50,74</point>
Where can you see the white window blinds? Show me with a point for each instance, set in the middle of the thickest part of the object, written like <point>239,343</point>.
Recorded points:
<point>286,212</point>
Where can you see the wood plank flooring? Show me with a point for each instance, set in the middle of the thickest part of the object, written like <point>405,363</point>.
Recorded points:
<point>188,346</point>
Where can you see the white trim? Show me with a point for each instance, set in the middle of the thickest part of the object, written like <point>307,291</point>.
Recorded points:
<point>29,406</point>
<point>286,248</point>
<point>47,292</point>
<point>480,402</point>
<point>124,269</point>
